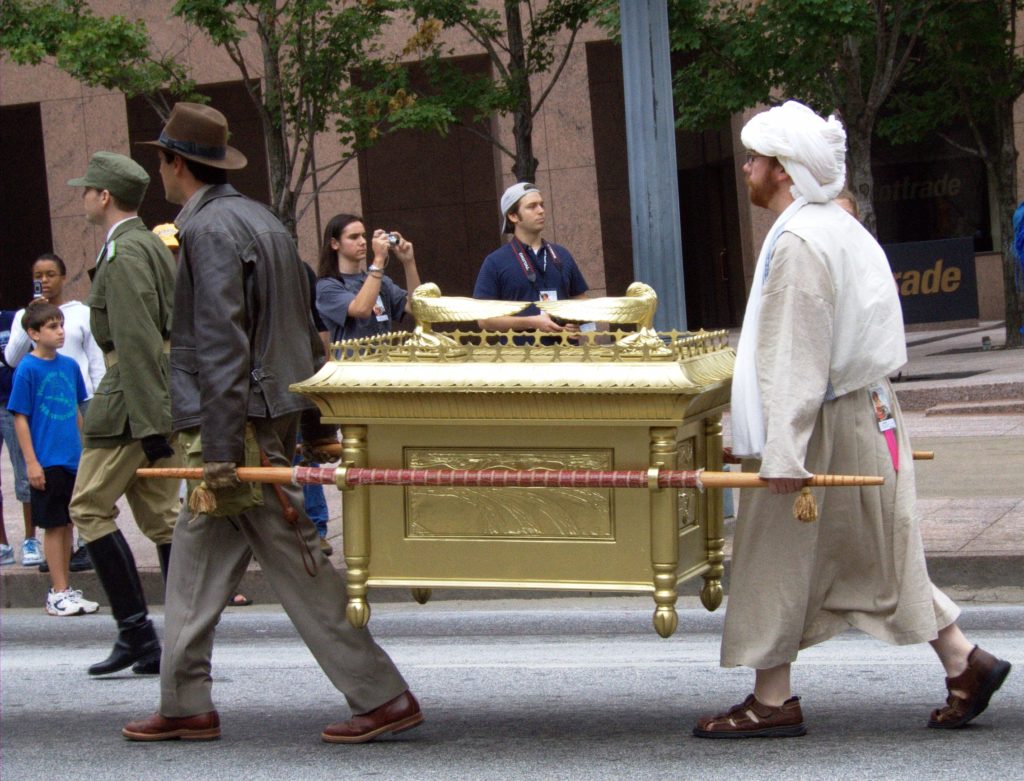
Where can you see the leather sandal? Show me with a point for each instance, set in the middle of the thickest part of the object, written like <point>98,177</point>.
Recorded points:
<point>753,719</point>
<point>981,679</point>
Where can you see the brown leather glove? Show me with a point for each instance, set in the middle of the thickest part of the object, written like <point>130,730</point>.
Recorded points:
<point>220,475</point>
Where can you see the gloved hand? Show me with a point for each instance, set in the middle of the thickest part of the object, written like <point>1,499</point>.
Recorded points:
<point>156,447</point>
<point>220,475</point>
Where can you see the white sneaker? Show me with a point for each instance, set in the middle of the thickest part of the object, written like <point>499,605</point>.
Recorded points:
<point>88,606</point>
<point>62,603</point>
<point>6,554</point>
<point>31,556</point>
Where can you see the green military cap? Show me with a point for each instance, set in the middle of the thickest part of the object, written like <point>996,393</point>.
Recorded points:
<point>125,179</point>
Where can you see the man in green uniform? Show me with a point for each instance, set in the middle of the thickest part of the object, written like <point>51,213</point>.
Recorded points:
<point>129,418</point>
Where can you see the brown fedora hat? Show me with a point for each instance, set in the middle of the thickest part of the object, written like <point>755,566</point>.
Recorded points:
<point>199,133</point>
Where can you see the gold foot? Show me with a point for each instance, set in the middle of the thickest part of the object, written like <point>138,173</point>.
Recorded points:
<point>711,594</point>
<point>666,620</point>
<point>422,595</point>
<point>358,612</point>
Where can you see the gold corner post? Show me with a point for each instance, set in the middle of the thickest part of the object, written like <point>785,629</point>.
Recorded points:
<point>356,527</point>
<point>711,593</point>
<point>664,532</point>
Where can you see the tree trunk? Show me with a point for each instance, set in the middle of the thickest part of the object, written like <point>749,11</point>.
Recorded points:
<point>525,166</point>
<point>1004,173</point>
<point>858,172</point>
<point>282,199</point>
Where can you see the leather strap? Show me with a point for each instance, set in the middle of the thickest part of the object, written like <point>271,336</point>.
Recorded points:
<point>291,516</point>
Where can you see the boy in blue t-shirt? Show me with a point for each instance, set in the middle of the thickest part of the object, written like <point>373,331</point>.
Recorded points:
<point>45,395</point>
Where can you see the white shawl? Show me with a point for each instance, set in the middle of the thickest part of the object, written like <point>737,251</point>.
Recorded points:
<point>748,433</point>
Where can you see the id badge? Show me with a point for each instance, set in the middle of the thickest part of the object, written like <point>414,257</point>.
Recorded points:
<point>379,311</point>
<point>883,407</point>
<point>886,423</point>
<point>548,295</point>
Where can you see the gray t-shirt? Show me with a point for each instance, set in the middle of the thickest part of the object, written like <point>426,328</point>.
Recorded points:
<point>333,296</point>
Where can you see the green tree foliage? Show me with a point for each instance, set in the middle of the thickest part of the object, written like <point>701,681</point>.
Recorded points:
<point>969,72</point>
<point>109,52</point>
<point>520,41</point>
<point>318,66</point>
<point>843,56</point>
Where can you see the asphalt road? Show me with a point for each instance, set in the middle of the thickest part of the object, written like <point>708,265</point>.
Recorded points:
<point>549,689</point>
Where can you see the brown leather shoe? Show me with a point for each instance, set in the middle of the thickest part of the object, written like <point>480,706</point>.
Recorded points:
<point>205,726</point>
<point>981,679</point>
<point>752,719</point>
<point>401,713</point>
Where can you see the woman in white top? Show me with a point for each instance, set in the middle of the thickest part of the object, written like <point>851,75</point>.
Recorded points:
<point>51,272</point>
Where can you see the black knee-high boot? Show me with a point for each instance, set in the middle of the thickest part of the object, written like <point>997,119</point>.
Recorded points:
<point>164,552</point>
<point>151,666</point>
<point>136,637</point>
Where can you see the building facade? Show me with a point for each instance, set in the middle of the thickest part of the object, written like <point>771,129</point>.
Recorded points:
<point>442,192</point>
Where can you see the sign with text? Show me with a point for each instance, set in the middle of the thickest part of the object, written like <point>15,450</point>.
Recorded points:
<point>936,279</point>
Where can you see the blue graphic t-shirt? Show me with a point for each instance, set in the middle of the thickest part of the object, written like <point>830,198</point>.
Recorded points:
<point>48,393</point>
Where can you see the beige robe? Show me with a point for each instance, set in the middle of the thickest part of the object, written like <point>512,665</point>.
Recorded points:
<point>861,564</point>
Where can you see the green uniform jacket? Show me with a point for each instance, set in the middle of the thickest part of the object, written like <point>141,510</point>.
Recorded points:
<point>130,313</point>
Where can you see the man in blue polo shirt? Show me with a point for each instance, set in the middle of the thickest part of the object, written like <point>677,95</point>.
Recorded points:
<point>527,268</point>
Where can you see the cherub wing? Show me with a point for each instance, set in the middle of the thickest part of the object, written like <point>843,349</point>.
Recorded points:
<point>429,306</point>
<point>637,306</point>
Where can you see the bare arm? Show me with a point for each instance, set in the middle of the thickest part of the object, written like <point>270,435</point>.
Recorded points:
<point>362,305</point>
<point>539,322</point>
<point>405,255</point>
<point>36,477</point>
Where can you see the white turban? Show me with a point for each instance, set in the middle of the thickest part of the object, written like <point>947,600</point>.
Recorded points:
<point>812,150</point>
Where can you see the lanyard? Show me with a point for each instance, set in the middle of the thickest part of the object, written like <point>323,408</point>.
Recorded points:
<point>526,265</point>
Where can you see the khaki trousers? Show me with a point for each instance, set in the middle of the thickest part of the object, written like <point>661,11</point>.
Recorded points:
<point>105,474</point>
<point>209,557</point>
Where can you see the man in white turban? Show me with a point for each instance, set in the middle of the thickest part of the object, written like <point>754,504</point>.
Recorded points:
<point>822,332</point>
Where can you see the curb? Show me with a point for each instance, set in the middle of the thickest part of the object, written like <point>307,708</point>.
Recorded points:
<point>27,588</point>
<point>920,399</point>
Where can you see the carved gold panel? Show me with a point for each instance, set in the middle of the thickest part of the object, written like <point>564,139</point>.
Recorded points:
<point>513,513</point>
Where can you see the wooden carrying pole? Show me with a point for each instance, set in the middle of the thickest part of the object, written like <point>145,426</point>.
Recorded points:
<point>804,508</point>
<point>729,458</point>
<point>505,478</point>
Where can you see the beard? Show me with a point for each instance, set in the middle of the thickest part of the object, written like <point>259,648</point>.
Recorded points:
<point>761,193</point>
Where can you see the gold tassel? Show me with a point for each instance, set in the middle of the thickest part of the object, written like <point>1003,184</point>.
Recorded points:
<point>202,500</point>
<point>805,508</point>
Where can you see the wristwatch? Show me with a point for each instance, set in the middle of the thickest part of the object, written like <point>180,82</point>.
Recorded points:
<point>371,269</point>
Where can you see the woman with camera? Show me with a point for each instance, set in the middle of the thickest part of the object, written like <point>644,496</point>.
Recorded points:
<point>49,274</point>
<point>353,302</point>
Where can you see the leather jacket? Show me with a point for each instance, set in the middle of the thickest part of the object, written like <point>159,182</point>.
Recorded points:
<point>242,330</point>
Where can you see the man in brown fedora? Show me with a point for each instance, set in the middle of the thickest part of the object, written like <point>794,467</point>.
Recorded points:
<point>242,333</point>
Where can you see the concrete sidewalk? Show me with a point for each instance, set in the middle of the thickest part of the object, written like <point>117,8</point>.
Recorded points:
<point>960,400</point>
